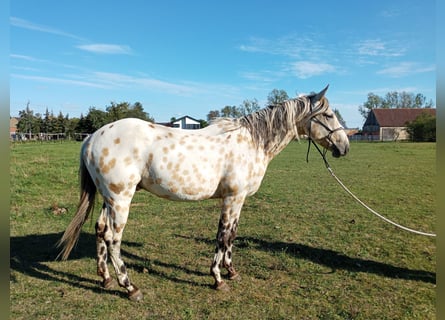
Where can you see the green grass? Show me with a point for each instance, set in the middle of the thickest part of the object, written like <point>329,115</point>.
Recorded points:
<point>305,249</point>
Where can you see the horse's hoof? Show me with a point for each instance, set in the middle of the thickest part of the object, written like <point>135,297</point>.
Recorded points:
<point>107,283</point>
<point>234,276</point>
<point>135,295</point>
<point>222,286</point>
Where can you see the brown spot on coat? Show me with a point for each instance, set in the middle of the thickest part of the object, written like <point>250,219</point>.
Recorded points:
<point>127,161</point>
<point>118,228</point>
<point>110,165</point>
<point>117,141</point>
<point>117,188</point>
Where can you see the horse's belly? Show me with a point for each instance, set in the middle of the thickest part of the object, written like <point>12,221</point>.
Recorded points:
<point>179,190</point>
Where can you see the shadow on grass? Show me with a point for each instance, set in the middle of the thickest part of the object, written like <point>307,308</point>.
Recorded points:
<point>29,255</point>
<point>331,259</point>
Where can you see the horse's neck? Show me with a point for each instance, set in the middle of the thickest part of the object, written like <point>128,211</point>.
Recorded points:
<point>278,145</point>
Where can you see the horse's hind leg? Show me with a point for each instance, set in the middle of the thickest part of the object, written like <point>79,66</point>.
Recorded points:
<point>103,235</point>
<point>120,214</point>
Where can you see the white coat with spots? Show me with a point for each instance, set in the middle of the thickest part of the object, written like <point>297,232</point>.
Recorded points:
<point>227,160</point>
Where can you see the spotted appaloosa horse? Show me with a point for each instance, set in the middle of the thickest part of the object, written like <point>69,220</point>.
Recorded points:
<point>227,160</point>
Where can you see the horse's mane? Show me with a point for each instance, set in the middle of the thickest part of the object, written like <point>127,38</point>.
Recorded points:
<point>269,126</point>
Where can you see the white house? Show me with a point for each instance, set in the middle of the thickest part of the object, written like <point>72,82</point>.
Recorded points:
<point>186,122</point>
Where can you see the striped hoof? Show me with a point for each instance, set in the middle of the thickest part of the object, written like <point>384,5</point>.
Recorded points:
<point>107,283</point>
<point>222,286</point>
<point>234,276</point>
<point>135,295</point>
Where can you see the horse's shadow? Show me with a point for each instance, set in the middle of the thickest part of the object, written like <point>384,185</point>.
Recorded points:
<point>29,255</point>
<point>330,259</point>
<point>338,261</point>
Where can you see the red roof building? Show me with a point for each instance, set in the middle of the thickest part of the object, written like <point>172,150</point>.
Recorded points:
<point>390,124</point>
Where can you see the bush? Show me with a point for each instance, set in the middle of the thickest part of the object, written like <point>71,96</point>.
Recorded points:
<point>423,128</point>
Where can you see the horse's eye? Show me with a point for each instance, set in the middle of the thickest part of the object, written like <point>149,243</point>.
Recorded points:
<point>328,116</point>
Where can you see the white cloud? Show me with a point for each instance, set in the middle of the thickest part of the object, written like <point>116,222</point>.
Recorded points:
<point>290,46</point>
<point>23,57</point>
<point>391,13</point>
<point>307,69</point>
<point>59,81</point>
<point>377,47</point>
<point>406,68</point>
<point>25,24</point>
<point>106,48</point>
<point>122,80</point>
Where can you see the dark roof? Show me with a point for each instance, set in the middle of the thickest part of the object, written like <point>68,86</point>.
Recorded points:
<point>186,117</point>
<point>399,117</point>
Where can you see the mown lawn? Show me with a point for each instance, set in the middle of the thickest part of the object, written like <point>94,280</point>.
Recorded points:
<point>305,250</point>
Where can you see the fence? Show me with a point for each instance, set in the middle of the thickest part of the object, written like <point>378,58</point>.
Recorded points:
<point>23,137</point>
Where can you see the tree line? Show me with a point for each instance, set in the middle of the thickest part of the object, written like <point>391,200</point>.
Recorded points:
<point>30,123</point>
<point>394,99</point>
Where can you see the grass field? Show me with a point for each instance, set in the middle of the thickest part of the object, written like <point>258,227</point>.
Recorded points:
<point>304,250</point>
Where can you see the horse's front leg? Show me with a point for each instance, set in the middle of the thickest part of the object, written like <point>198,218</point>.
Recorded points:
<point>227,228</point>
<point>228,250</point>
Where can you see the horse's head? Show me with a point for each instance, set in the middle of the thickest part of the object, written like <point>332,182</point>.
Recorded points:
<point>323,127</point>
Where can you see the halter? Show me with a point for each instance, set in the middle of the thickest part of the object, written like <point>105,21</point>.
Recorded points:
<point>328,136</point>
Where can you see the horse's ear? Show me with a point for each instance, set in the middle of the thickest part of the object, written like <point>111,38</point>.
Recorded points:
<point>319,95</point>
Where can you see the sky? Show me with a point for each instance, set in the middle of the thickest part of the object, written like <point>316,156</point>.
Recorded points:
<point>190,57</point>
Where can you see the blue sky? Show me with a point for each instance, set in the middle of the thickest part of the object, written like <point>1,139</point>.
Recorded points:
<point>189,57</point>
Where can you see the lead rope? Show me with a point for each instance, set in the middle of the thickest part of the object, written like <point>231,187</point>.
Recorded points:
<point>328,167</point>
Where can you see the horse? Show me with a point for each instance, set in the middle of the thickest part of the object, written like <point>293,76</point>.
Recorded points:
<point>226,160</point>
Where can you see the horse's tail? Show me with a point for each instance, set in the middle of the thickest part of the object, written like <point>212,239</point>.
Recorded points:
<point>85,206</point>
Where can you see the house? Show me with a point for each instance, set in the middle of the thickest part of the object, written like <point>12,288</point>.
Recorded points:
<point>390,124</point>
<point>186,122</point>
<point>13,121</point>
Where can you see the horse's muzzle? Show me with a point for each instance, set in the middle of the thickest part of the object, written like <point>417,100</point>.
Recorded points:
<point>336,153</point>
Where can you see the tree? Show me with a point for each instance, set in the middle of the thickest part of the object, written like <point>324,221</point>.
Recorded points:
<point>117,111</point>
<point>248,106</point>
<point>374,101</point>
<point>122,110</point>
<point>48,123</point>
<point>96,119</point>
<point>423,128</point>
<point>71,125</point>
<point>203,123</point>
<point>213,114</point>
<point>230,112</point>
<point>276,97</point>
<point>340,118</point>
<point>28,123</point>
<point>93,121</point>
<point>61,123</point>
